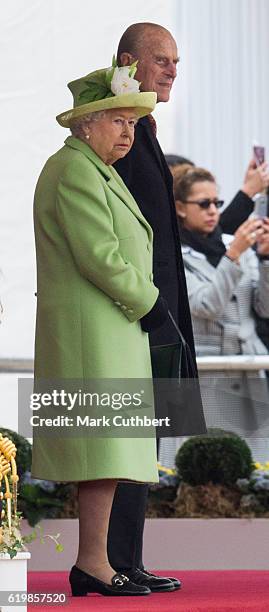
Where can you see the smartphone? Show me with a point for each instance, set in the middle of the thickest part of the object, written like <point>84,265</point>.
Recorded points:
<point>261,206</point>
<point>259,154</point>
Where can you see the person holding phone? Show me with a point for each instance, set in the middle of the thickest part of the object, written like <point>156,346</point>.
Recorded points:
<point>226,280</point>
<point>255,183</point>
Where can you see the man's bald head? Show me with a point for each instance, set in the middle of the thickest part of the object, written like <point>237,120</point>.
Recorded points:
<point>138,35</point>
<point>155,49</point>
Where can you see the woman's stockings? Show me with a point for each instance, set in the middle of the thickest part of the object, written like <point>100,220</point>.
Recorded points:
<point>95,501</point>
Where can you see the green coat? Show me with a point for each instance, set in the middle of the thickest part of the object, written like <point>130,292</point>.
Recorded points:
<point>94,283</point>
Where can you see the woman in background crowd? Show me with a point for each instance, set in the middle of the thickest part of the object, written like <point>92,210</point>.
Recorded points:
<point>226,279</point>
<point>256,180</point>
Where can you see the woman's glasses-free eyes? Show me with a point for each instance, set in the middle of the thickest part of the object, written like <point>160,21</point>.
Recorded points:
<point>206,203</point>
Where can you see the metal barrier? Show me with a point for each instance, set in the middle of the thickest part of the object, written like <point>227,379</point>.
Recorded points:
<point>17,366</point>
<point>233,362</point>
<point>222,363</point>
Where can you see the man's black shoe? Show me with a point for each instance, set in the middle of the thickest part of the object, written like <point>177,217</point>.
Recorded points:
<point>177,583</point>
<point>156,584</point>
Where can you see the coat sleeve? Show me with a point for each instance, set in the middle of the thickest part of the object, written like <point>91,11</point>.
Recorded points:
<point>209,299</point>
<point>259,273</point>
<point>236,213</point>
<point>87,223</point>
<point>261,297</point>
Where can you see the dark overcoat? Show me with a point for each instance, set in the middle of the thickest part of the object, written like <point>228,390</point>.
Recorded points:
<point>147,176</point>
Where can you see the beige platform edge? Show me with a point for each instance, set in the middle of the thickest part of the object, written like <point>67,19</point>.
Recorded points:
<point>180,544</point>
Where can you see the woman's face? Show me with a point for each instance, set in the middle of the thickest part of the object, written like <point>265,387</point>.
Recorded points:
<point>112,135</point>
<point>195,218</point>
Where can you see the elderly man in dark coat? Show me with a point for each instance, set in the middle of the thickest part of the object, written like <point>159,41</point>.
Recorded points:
<point>147,176</point>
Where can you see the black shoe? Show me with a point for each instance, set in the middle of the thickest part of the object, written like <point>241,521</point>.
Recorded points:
<point>177,583</point>
<point>156,584</point>
<point>83,583</point>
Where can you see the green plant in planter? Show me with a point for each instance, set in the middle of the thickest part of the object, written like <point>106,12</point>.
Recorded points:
<point>12,541</point>
<point>37,499</point>
<point>220,458</point>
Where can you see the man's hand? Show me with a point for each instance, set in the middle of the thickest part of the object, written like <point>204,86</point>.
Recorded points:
<point>256,179</point>
<point>263,240</point>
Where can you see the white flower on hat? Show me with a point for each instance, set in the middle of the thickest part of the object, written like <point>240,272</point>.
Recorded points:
<point>122,82</point>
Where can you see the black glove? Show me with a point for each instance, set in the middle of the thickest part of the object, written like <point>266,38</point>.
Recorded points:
<point>156,316</point>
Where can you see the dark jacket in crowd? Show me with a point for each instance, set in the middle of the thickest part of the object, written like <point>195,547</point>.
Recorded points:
<point>236,213</point>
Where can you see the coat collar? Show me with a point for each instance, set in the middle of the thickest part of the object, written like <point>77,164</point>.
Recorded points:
<point>112,178</point>
<point>76,143</point>
<point>187,250</point>
<point>194,261</point>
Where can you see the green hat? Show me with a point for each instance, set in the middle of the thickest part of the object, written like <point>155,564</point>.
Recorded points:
<point>108,88</point>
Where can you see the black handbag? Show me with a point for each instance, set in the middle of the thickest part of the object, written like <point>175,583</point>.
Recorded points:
<point>173,360</point>
<point>176,388</point>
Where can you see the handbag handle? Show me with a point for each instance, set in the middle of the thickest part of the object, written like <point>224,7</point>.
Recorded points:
<point>190,369</point>
<point>177,328</point>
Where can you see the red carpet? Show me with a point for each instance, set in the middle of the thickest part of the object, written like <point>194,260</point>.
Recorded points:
<point>203,591</point>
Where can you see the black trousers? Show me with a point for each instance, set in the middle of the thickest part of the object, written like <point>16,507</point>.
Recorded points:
<point>126,526</point>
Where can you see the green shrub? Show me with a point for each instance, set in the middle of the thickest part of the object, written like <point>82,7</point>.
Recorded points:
<point>218,458</point>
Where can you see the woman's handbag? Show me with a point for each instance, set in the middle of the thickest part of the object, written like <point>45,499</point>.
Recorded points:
<point>173,360</point>
<point>176,388</point>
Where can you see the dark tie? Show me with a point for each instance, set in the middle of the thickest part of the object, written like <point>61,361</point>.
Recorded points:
<point>153,124</point>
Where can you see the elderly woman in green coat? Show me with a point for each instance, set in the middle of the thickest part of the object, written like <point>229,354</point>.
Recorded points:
<point>96,301</point>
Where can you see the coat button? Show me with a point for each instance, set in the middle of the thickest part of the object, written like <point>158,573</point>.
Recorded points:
<point>124,307</point>
<point>118,303</point>
<point>130,310</point>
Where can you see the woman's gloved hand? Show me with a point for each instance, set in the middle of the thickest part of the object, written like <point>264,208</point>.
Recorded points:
<point>156,316</point>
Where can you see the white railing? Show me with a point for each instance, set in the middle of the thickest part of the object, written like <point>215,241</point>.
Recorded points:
<point>233,362</point>
<point>226,362</point>
<point>16,365</point>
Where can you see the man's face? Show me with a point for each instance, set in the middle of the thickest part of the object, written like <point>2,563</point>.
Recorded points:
<point>157,65</point>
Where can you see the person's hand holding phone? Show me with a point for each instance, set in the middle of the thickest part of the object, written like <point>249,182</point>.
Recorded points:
<point>256,178</point>
<point>247,234</point>
<point>259,154</point>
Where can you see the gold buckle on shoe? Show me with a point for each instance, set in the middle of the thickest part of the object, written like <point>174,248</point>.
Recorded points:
<point>119,579</point>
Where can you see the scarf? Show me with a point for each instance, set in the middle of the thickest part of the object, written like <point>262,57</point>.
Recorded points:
<point>211,245</point>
